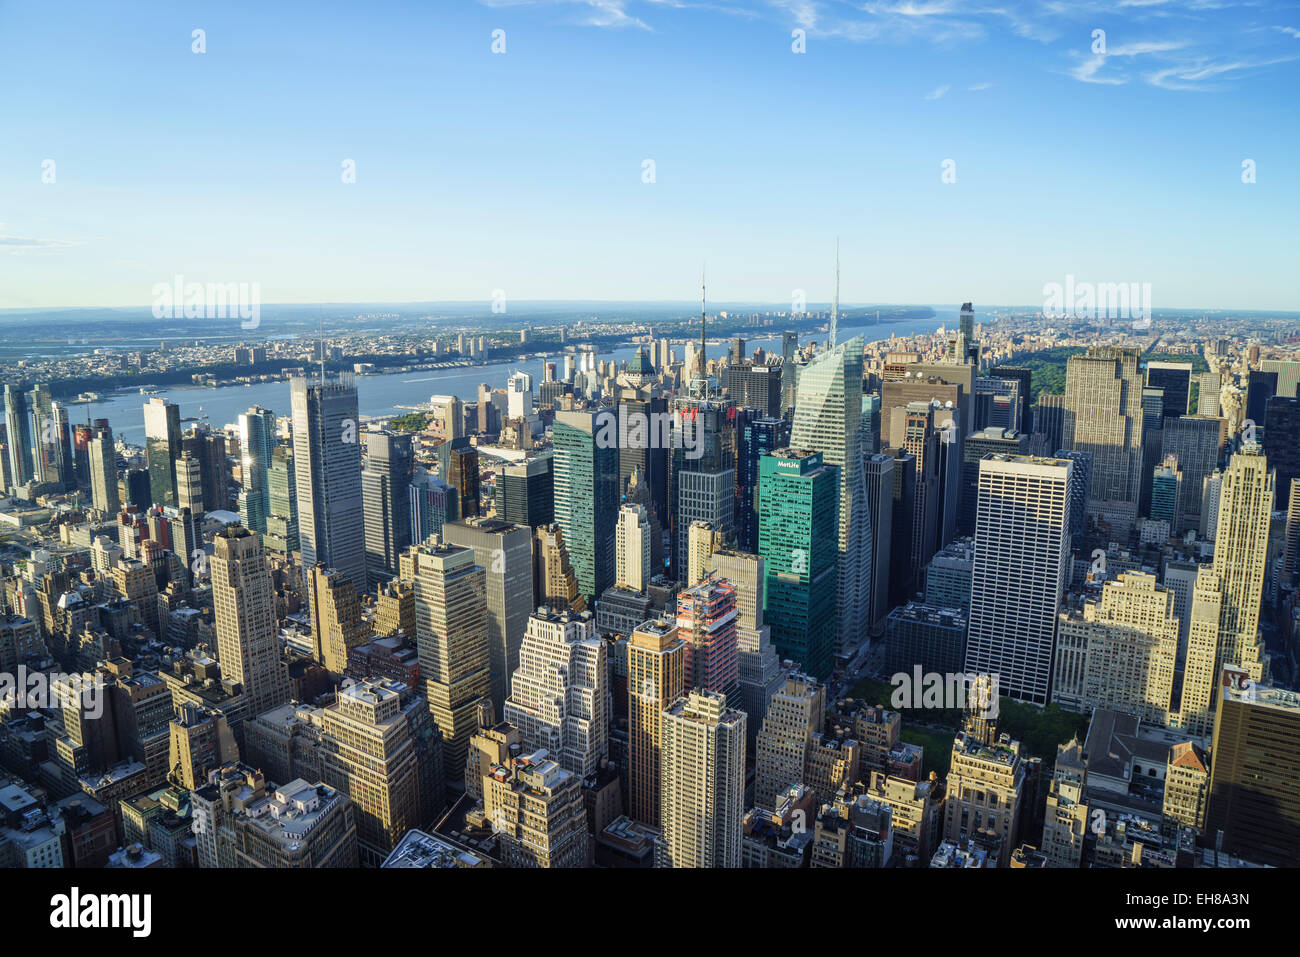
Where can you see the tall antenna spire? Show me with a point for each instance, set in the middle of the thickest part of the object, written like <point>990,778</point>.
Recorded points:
<point>704,369</point>
<point>835,303</point>
<point>320,344</point>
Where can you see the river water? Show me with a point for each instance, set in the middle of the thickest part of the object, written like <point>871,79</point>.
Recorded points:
<point>382,394</point>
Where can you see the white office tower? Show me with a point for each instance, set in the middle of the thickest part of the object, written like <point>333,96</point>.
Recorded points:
<point>1022,562</point>
<point>703,782</point>
<point>519,395</point>
<point>828,407</point>
<point>758,667</point>
<point>559,695</point>
<point>1241,557</point>
<point>632,548</point>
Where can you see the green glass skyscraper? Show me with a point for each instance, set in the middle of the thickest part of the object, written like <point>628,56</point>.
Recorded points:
<point>585,463</point>
<point>798,523</point>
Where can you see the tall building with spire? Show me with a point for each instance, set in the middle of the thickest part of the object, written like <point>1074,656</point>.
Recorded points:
<point>827,414</point>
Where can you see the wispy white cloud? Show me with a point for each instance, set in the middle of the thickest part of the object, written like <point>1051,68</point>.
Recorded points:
<point>1200,75</point>
<point>937,92</point>
<point>1199,54</point>
<point>590,13</point>
<point>23,244</point>
<point>980,86</point>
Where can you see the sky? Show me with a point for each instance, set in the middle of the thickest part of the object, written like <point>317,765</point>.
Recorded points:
<point>957,150</point>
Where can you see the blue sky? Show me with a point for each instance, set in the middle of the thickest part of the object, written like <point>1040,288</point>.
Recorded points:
<point>523,171</point>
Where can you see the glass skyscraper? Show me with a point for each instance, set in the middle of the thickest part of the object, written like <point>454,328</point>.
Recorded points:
<point>162,443</point>
<point>800,515</point>
<point>827,416</point>
<point>586,494</point>
<point>327,463</point>
<point>256,445</point>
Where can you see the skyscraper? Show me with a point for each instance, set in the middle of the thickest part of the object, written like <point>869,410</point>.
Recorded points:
<point>451,639</point>
<point>703,782</point>
<point>162,431</point>
<point>1282,442</point>
<point>103,472</point>
<point>878,471</point>
<point>243,602</point>
<point>656,677</point>
<point>370,754</point>
<point>1103,402</point>
<point>1241,555</point>
<point>554,583</point>
<point>336,623</point>
<point>536,809</point>
<point>1174,379</point>
<point>796,712</point>
<point>702,469</point>
<point>801,497</point>
<point>282,519</point>
<point>18,429</point>
<point>559,693</point>
<point>1196,441</point>
<point>1129,644</point>
<point>757,436</point>
<point>706,622</point>
<point>525,491</point>
<point>1207,396</point>
<point>1254,804</point>
<point>386,498</point>
<point>327,463</point>
<point>828,407</point>
<point>1022,558</point>
<point>758,666</point>
<point>586,494</point>
<point>632,549</point>
<point>505,553</point>
<point>256,445</point>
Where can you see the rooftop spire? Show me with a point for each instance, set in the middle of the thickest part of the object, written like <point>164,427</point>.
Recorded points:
<point>835,303</point>
<point>704,369</point>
